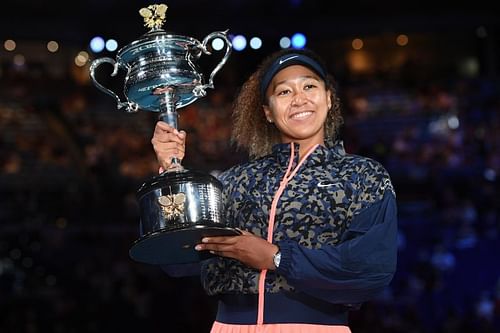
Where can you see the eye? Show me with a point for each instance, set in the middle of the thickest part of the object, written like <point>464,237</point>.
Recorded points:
<point>309,86</point>
<point>283,92</point>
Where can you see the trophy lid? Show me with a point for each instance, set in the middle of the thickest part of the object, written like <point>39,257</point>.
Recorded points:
<point>157,38</point>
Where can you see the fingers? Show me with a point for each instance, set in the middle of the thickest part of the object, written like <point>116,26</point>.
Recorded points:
<point>168,143</point>
<point>219,245</point>
<point>223,250</point>
<point>165,154</point>
<point>220,240</point>
<point>165,133</point>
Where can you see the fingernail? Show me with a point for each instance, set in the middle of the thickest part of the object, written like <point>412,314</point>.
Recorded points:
<point>197,247</point>
<point>204,240</point>
<point>213,252</point>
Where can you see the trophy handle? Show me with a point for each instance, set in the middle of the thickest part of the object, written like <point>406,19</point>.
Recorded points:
<point>129,106</point>
<point>200,90</point>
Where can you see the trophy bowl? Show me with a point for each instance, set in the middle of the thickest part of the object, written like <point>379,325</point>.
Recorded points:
<point>159,60</point>
<point>178,207</point>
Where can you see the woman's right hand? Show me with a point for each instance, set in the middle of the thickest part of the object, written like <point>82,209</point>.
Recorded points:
<point>168,143</point>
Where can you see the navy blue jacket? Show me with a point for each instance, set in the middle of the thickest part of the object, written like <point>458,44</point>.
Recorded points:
<point>336,227</point>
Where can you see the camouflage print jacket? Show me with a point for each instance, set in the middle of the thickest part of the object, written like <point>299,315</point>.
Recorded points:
<point>336,226</point>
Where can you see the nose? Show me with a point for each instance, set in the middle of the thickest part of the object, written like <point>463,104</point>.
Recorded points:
<point>299,98</point>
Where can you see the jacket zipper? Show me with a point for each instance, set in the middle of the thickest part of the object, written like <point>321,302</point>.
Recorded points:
<point>272,215</point>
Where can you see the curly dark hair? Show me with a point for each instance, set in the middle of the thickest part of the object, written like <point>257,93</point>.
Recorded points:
<point>252,131</point>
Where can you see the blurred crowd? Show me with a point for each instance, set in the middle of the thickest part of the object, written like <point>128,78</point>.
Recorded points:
<point>70,165</point>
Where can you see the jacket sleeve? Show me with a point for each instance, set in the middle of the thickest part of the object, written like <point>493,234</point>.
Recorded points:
<point>356,269</point>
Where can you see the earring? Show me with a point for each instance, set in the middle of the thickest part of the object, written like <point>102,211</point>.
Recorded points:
<point>269,120</point>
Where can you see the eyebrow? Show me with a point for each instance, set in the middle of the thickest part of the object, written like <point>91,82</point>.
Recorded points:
<point>304,77</point>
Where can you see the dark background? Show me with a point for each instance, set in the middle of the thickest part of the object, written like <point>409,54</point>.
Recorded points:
<point>70,163</point>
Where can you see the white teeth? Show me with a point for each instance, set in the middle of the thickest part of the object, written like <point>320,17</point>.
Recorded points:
<point>301,114</point>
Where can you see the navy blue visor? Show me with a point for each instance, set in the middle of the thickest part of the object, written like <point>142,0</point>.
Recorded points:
<point>289,60</point>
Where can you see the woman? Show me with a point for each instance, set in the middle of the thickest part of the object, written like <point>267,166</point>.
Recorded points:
<point>319,225</point>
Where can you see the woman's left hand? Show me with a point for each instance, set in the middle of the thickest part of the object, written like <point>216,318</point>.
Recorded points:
<point>249,249</point>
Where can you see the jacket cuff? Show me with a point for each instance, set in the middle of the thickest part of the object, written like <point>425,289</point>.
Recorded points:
<point>286,257</point>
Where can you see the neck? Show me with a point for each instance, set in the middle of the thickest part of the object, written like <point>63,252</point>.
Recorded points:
<point>307,144</point>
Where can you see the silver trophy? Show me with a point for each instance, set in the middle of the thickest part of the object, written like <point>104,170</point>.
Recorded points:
<point>179,206</point>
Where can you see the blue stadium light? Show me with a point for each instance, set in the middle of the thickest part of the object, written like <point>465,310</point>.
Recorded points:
<point>285,42</point>
<point>239,42</point>
<point>298,41</point>
<point>111,45</point>
<point>218,44</point>
<point>97,44</point>
<point>255,43</point>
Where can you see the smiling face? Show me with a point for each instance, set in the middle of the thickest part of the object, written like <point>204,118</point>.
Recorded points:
<point>298,103</point>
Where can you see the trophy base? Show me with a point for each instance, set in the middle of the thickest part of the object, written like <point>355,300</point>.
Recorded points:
<point>168,247</point>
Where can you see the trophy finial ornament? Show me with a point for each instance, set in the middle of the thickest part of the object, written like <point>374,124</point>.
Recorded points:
<point>154,15</point>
